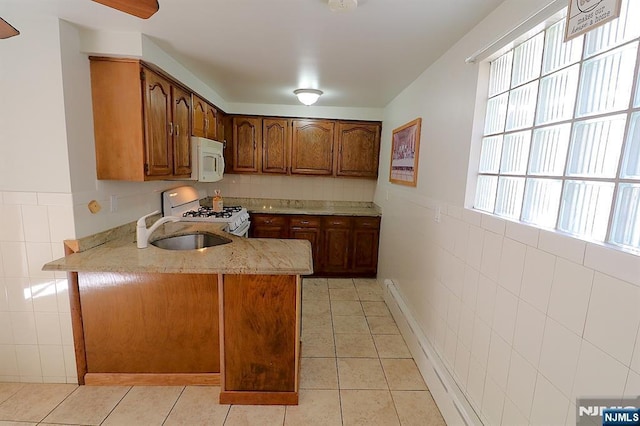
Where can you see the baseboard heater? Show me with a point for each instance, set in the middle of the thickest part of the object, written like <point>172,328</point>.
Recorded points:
<point>452,403</point>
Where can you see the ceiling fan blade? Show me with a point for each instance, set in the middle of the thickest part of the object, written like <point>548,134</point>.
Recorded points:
<point>140,8</point>
<point>7,30</point>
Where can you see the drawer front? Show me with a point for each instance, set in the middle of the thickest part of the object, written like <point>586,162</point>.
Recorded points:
<point>268,220</point>
<point>337,222</point>
<point>304,222</point>
<point>367,222</point>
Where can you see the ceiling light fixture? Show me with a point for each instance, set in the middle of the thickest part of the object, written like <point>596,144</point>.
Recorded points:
<point>342,5</point>
<point>307,96</point>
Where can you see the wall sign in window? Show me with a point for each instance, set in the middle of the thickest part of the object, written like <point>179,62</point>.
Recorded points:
<point>586,15</point>
<point>561,144</point>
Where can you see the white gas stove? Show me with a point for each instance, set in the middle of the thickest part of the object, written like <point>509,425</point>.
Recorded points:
<point>184,202</point>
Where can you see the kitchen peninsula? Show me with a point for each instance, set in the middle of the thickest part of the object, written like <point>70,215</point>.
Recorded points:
<point>227,315</point>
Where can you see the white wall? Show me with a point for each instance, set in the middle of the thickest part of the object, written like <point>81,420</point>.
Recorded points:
<point>525,320</point>
<point>33,155</point>
<point>35,207</point>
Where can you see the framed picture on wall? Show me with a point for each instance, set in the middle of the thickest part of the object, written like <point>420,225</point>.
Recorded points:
<point>405,146</point>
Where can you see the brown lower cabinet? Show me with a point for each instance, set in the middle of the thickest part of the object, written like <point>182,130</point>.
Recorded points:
<point>241,332</point>
<point>344,246</point>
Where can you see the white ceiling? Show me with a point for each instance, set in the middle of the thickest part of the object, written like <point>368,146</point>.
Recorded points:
<point>259,51</point>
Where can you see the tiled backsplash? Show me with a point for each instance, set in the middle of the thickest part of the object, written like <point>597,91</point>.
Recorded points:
<point>36,342</point>
<point>295,187</point>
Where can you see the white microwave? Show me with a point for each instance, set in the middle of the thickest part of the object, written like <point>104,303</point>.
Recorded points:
<point>207,159</point>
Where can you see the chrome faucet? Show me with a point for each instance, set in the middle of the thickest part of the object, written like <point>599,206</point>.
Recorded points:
<point>143,234</point>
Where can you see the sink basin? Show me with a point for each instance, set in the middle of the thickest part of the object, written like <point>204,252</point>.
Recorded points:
<point>190,241</point>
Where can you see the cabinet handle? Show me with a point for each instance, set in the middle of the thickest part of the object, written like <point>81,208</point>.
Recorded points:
<point>268,222</point>
<point>177,130</point>
<point>171,128</point>
<point>304,222</point>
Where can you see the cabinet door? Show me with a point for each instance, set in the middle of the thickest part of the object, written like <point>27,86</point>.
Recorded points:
<point>211,123</point>
<point>181,132</point>
<point>260,345</point>
<point>246,143</point>
<point>366,234</point>
<point>157,111</point>
<point>312,147</point>
<point>336,241</point>
<point>275,145</point>
<point>198,112</point>
<point>136,322</point>
<point>307,228</point>
<point>358,149</point>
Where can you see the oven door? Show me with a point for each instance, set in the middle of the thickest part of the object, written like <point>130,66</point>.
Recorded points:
<point>242,230</point>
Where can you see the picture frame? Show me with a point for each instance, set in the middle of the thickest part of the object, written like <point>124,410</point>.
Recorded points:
<point>405,149</point>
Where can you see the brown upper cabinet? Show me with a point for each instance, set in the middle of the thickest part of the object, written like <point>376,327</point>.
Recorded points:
<point>312,147</point>
<point>247,143</point>
<point>204,119</point>
<point>358,149</point>
<point>276,145</point>
<point>142,122</point>
<point>260,145</point>
<point>305,147</point>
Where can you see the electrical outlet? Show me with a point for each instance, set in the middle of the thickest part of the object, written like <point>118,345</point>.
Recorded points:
<point>114,203</point>
<point>437,217</point>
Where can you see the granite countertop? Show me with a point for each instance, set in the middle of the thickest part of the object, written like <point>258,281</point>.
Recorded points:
<point>119,253</point>
<point>305,207</point>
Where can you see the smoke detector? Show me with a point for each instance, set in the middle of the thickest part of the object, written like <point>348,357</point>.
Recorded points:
<point>342,5</point>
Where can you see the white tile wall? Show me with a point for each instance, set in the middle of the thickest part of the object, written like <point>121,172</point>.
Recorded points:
<point>550,406</point>
<point>512,265</point>
<point>537,278</point>
<point>613,316</point>
<point>570,293</point>
<point>505,313</point>
<point>493,401</point>
<point>498,361</point>
<point>461,366</point>
<point>511,415</point>
<point>486,303</point>
<point>598,373</point>
<point>480,343</point>
<point>632,388</point>
<point>522,233</point>
<point>34,306</point>
<point>562,246</point>
<point>529,332</point>
<point>521,384</point>
<point>491,254</point>
<point>559,356</point>
<point>470,287</point>
<point>541,317</point>
<point>475,383</point>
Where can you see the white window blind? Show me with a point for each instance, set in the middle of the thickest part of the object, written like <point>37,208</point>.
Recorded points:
<point>561,145</point>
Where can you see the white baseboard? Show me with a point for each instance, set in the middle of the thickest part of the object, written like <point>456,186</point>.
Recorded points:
<point>452,403</point>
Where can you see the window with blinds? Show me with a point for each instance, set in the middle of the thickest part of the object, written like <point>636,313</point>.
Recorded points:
<point>561,145</point>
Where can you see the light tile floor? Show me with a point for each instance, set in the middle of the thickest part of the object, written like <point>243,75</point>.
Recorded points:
<point>355,370</point>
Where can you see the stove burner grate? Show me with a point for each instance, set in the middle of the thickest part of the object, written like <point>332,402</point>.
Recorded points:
<point>204,211</point>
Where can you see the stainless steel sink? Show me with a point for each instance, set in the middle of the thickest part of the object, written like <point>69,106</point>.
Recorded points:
<point>190,241</point>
